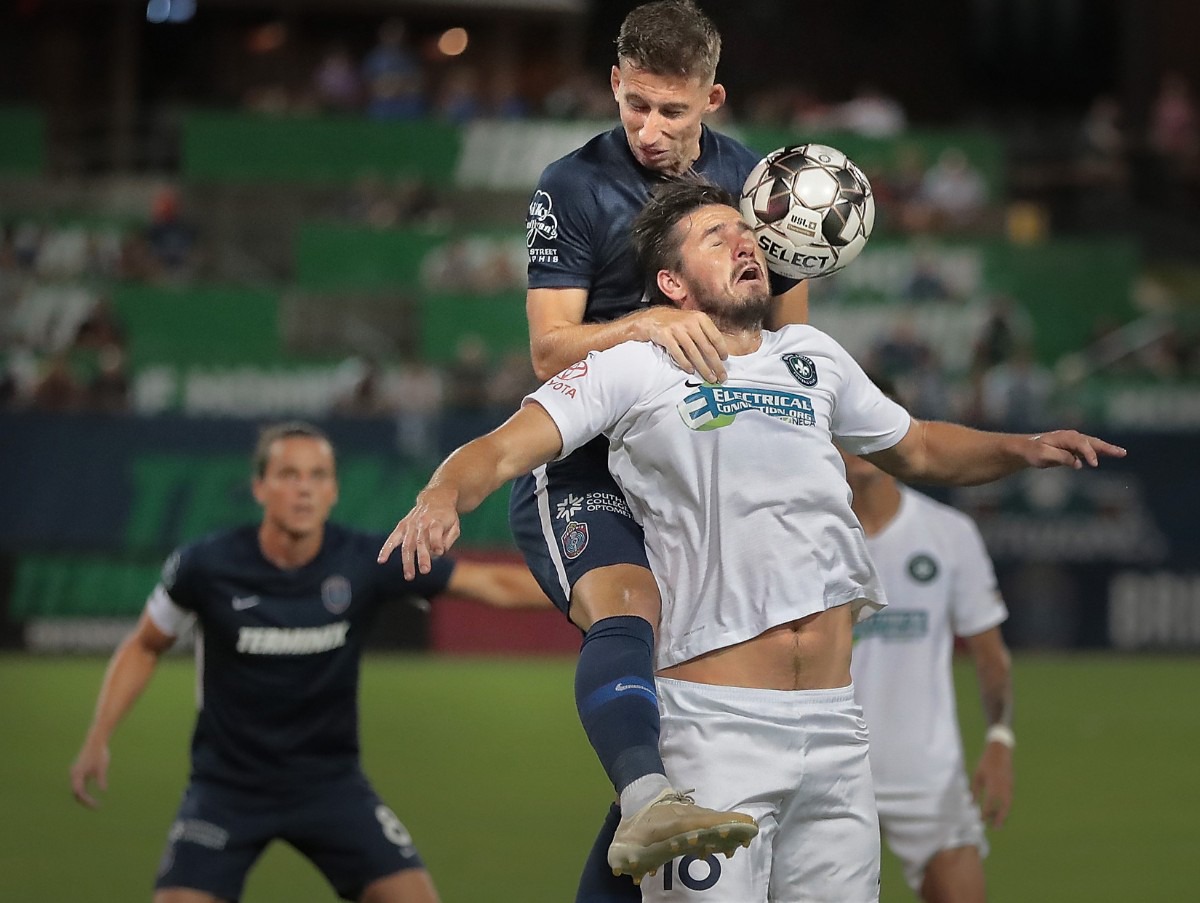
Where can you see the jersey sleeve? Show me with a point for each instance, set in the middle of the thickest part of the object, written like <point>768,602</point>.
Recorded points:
<point>977,604</point>
<point>559,229</point>
<point>588,398</point>
<point>172,603</point>
<point>864,419</point>
<point>391,583</point>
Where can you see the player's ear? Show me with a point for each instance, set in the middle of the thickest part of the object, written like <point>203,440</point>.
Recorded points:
<point>614,79</point>
<point>716,98</point>
<point>671,286</point>
<point>256,487</point>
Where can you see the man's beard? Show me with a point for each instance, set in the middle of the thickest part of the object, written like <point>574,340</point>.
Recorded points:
<point>743,316</point>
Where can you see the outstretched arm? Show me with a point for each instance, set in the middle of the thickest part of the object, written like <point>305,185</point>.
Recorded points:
<point>947,453</point>
<point>500,585</point>
<point>526,440</point>
<point>992,783</point>
<point>129,671</point>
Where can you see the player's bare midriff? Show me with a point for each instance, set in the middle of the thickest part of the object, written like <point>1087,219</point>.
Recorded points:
<point>811,653</point>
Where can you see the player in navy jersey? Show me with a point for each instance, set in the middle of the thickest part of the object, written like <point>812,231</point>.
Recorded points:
<point>282,612</point>
<point>586,294</point>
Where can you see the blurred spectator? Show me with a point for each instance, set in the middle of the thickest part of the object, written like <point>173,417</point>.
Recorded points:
<point>108,389</point>
<point>871,113</point>
<point>393,76</point>
<point>1015,395</point>
<point>170,238</point>
<point>337,83</point>
<point>926,282</point>
<point>953,194</point>
<point>20,375</point>
<point>900,352</point>
<point>458,101</point>
<point>1102,143</point>
<point>57,387</point>
<point>514,380</point>
<point>419,392</point>
<point>807,112</point>
<point>100,328</point>
<point>366,396</point>
<point>468,376</point>
<point>1006,327</point>
<point>1175,126</point>
<point>579,95</point>
<point>504,98</point>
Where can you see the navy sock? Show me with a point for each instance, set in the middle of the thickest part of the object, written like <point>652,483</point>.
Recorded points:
<point>598,884</point>
<point>614,692</point>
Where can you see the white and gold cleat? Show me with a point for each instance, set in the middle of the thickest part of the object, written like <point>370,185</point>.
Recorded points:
<point>673,825</point>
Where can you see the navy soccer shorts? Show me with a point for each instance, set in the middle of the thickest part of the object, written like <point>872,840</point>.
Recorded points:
<point>341,825</point>
<point>570,517</point>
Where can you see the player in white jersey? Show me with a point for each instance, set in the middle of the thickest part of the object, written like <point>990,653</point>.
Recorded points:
<point>762,566</point>
<point>940,584</point>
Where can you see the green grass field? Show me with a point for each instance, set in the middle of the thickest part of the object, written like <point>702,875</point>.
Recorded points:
<point>486,764</point>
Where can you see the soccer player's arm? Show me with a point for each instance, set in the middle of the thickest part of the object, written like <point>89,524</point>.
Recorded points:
<point>563,219</point>
<point>129,671</point>
<point>977,611</point>
<point>558,337</point>
<point>955,455</point>
<point>554,421</point>
<point>528,439</point>
<point>992,782</point>
<point>499,584</point>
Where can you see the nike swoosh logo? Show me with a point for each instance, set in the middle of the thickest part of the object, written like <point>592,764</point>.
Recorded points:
<point>241,603</point>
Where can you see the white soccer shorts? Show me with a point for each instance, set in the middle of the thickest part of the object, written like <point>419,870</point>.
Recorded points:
<point>918,823</point>
<point>795,760</point>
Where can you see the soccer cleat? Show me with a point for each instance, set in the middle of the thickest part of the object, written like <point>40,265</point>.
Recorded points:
<point>672,824</point>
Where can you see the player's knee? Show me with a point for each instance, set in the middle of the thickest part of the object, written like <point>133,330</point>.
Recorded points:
<point>954,876</point>
<point>608,592</point>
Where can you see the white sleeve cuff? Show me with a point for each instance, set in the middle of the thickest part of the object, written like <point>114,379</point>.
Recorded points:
<point>165,613</point>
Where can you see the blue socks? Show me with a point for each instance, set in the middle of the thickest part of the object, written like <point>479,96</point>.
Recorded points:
<point>617,702</point>
<point>598,884</point>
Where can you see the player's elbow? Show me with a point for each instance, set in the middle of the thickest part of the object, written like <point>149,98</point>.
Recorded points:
<point>547,356</point>
<point>543,369</point>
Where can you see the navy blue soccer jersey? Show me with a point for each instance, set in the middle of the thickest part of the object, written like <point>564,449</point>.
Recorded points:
<point>578,227</point>
<point>279,651</point>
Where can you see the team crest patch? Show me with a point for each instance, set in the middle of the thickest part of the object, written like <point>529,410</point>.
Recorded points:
<point>541,224</point>
<point>802,368</point>
<point>922,568</point>
<point>335,593</point>
<point>574,539</point>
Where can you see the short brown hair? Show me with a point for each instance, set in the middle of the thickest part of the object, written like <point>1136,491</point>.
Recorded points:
<point>656,242</point>
<point>272,433</point>
<point>670,37</point>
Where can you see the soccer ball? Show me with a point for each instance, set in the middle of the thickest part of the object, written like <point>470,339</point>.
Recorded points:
<point>811,209</point>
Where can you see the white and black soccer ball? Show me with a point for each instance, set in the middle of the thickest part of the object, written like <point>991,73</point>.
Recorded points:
<point>811,209</point>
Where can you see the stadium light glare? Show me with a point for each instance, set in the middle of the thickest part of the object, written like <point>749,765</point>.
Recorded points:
<point>453,41</point>
<point>175,11</point>
<point>157,11</point>
<point>182,10</point>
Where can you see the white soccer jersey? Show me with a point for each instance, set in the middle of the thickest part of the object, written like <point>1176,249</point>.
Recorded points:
<point>940,584</point>
<point>739,487</point>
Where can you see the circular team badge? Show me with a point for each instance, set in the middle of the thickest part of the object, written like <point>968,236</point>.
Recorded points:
<point>922,568</point>
<point>336,594</point>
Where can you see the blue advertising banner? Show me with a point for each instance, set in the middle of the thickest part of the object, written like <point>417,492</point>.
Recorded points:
<point>89,505</point>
